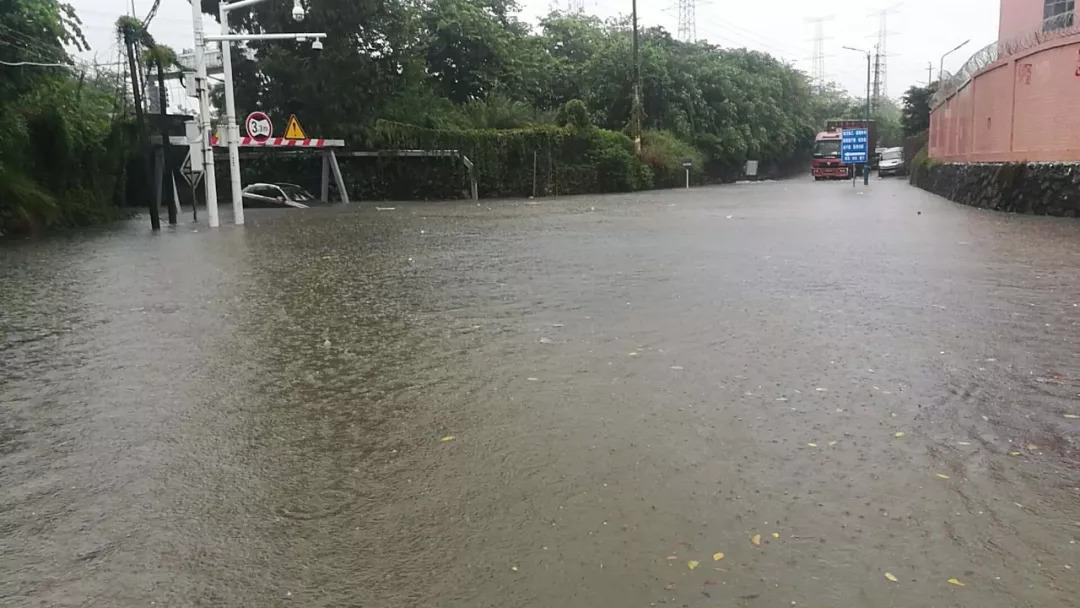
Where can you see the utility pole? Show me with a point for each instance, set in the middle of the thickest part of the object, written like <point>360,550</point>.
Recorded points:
<point>140,121</point>
<point>635,108</point>
<point>929,73</point>
<point>163,101</point>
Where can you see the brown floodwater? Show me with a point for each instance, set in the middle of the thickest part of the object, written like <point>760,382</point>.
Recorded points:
<point>576,402</point>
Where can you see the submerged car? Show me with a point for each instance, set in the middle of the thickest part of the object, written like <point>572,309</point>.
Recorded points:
<point>278,195</point>
<point>892,162</point>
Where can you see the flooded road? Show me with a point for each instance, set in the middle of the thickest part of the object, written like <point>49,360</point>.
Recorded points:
<point>759,395</point>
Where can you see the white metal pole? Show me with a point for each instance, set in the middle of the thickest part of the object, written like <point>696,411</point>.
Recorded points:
<point>204,116</point>
<point>688,179</point>
<point>232,132</point>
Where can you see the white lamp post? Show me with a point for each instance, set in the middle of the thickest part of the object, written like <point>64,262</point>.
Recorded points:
<point>209,176</point>
<point>232,131</point>
<point>941,66</point>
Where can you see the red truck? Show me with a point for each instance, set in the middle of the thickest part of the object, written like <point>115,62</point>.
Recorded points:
<point>826,162</point>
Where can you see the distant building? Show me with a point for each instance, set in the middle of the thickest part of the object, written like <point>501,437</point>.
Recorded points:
<point>1016,100</point>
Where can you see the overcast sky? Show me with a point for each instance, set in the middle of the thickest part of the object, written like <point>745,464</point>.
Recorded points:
<point>919,30</point>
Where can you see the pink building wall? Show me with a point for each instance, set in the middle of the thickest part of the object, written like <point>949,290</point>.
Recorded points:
<point>1018,17</point>
<point>1025,107</point>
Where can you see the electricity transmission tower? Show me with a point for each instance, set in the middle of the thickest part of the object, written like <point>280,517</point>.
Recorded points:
<point>879,65</point>
<point>688,20</point>
<point>881,69</point>
<point>817,69</point>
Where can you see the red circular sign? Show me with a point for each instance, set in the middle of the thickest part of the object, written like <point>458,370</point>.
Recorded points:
<point>259,127</point>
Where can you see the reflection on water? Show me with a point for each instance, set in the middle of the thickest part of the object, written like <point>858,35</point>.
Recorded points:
<point>254,417</point>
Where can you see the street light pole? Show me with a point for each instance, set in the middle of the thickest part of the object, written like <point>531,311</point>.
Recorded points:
<point>941,66</point>
<point>232,130</point>
<point>209,176</point>
<point>866,165</point>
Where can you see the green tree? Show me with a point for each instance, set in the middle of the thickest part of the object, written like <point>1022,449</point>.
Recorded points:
<point>61,151</point>
<point>916,109</point>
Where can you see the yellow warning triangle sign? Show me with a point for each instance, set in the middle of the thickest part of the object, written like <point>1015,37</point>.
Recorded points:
<point>294,130</point>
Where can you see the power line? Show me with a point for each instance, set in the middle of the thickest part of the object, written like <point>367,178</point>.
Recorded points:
<point>741,34</point>
<point>36,64</point>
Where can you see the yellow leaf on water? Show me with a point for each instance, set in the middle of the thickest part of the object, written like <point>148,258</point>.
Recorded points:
<point>514,568</point>
<point>889,575</point>
<point>448,438</point>
<point>717,556</point>
<point>1014,453</point>
<point>940,476</point>
<point>899,434</point>
<point>692,564</point>
<point>756,539</point>
<point>776,535</point>
<point>672,558</point>
<point>953,581</point>
<point>813,445</point>
<point>832,443</point>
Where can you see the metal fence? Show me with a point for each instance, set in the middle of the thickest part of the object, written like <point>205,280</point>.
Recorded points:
<point>1060,26</point>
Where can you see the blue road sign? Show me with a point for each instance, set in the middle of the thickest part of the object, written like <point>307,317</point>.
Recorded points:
<point>854,147</point>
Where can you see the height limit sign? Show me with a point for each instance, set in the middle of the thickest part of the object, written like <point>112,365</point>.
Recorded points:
<point>854,147</point>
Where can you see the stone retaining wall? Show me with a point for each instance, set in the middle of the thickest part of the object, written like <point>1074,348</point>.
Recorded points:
<point>1036,188</point>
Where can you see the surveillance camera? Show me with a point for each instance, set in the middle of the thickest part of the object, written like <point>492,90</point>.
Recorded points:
<point>317,45</point>
<point>298,12</point>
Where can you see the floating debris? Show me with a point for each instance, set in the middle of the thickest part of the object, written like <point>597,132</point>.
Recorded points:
<point>677,368</point>
<point>813,445</point>
<point>953,581</point>
<point>1014,453</point>
<point>899,434</point>
<point>940,476</point>
<point>776,535</point>
<point>755,539</point>
<point>832,443</point>
<point>533,379</point>
<point>717,556</point>
<point>963,443</point>
<point>1072,416</point>
<point>546,340</point>
<point>448,438</point>
<point>889,575</point>
<point>692,564</point>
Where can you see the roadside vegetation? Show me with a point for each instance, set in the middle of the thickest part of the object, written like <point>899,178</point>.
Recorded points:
<point>540,110</point>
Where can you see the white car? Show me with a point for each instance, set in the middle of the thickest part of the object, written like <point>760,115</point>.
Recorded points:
<point>278,195</point>
<point>892,162</point>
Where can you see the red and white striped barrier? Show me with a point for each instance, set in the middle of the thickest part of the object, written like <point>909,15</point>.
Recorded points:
<point>281,142</point>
